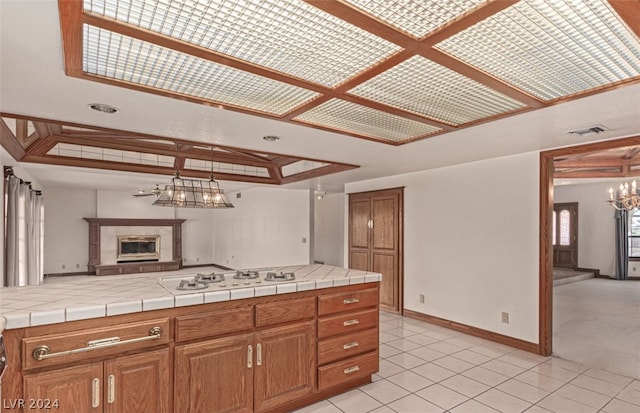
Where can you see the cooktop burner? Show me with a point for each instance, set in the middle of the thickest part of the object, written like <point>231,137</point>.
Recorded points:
<point>282,276</point>
<point>210,278</point>
<point>246,275</point>
<point>192,284</point>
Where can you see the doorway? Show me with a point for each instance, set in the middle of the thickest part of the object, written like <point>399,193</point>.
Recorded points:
<point>564,235</point>
<point>545,287</point>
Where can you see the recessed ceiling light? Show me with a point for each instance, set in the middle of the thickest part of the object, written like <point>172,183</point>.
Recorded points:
<point>271,138</point>
<point>101,107</point>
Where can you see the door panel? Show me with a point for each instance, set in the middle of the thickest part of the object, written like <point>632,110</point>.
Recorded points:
<point>386,265</point>
<point>285,364</point>
<point>214,376</point>
<point>72,387</point>
<point>384,225</point>
<point>359,260</point>
<point>565,235</point>
<point>359,216</point>
<point>140,383</point>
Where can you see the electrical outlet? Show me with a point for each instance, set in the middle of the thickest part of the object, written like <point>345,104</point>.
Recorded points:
<point>633,269</point>
<point>64,266</point>
<point>304,240</point>
<point>505,317</point>
<point>77,265</point>
<point>198,259</point>
<point>421,298</point>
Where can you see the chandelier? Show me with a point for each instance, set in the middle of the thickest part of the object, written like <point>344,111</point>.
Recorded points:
<point>625,198</point>
<point>193,193</point>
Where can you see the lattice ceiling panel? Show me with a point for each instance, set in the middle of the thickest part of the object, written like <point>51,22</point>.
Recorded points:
<point>436,92</point>
<point>123,58</point>
<point>417,18</point>
<point>285,35</point>
<point>353,118</point>
<point>551,49</point>
<point>390,71</point>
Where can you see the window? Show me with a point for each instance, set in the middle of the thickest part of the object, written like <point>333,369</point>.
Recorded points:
<point>634,234</point>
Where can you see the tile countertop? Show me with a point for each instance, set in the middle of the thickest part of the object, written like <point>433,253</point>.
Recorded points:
<point>70,298</point>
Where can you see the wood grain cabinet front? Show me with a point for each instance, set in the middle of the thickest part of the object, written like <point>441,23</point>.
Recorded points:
<point>134,383</point>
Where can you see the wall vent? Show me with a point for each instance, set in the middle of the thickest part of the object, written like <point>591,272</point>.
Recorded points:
<point>588,130</point>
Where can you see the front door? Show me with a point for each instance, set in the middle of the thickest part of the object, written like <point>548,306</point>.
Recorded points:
<point>565,235</point>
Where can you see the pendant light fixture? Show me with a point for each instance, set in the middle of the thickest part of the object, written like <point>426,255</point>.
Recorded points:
<point>193,193</point>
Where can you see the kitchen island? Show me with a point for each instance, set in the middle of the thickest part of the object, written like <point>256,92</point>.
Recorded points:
<point>138,344</point>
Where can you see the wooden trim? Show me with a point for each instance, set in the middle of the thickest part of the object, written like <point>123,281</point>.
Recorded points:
<point>474,331</point>
<point>10,142</point>
<point>545,256</point>
<point>545,299</point>
<point>629,11</point>
<point>123,222</point>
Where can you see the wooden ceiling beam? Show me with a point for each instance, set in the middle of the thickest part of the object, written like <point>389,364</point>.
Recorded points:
<point>631,153</point>
<point>324,170</point>
<point>604,162</point>
<point>10,142</point>
<point>629,10</point>
<point>588,174</point>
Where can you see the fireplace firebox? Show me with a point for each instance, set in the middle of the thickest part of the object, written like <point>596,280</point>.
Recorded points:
<point>138,248</point>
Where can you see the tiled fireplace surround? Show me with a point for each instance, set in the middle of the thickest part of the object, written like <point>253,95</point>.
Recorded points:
<point>104,232</point>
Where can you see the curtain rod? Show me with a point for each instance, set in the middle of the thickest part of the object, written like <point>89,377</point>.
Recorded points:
<point>8,172</point>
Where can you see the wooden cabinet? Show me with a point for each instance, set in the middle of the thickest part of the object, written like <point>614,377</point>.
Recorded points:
<point>247,372</point>
<point>73,389</point>
<point>348,336</point>
<point>214,376</point>
<point>375,240</point>
<point>135,383</point>
<point>285,365</point>
<point>263,354</point>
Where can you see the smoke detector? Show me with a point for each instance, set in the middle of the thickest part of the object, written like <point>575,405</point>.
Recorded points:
<point>588,130</point>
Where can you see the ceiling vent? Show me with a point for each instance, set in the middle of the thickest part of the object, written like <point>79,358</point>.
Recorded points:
<point>588,130</point>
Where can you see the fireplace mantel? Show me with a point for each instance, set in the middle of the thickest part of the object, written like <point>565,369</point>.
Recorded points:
<point>94,264</point>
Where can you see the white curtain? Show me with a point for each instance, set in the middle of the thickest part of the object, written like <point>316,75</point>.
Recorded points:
<point>24,227</point>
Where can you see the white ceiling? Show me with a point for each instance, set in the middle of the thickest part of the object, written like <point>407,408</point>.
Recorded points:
<point>33,83</point>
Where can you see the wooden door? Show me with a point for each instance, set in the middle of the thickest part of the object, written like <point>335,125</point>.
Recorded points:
<point>375,240</point>
<point>74,389</point>
<point>285,359</point>
<point>214,376</point>
<point>138,383</point>
<point>565,235</point>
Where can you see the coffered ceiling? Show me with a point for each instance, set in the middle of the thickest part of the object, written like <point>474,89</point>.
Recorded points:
<point>392,72</point>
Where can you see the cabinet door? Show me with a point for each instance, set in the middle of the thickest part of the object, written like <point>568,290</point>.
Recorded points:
<point>138,383</point>
<point>285,364</point>
<point>214,376</point>
<point>74,389</point>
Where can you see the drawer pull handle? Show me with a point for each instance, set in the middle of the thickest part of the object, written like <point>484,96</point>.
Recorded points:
<point>351,322</point>
<point>351,370</point>
<point>351,345</point>
<point>95,393</point>
<point>111,385</point>
<point>351,301</point>
<point>249,356</point>
<point>43,352</point>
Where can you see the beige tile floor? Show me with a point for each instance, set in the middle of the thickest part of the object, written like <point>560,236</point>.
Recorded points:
<point>426,368</point>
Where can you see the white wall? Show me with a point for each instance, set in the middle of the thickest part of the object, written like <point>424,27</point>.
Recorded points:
<point>66,234</point>
<point>471,242</point>
<point>265,228</point>
<point>596,225</point>
<point>329,229</point>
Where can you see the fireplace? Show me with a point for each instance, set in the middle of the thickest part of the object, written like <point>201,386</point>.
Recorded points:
<point>138,248</point>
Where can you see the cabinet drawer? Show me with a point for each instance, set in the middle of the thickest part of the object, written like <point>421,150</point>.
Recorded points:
<point>342,371</point>
<point>347,323</point>
<point>75,346</point>
<point>348,345</point>
<point>214,323</point>
<point>347,301</point>
<point>284,311</point>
